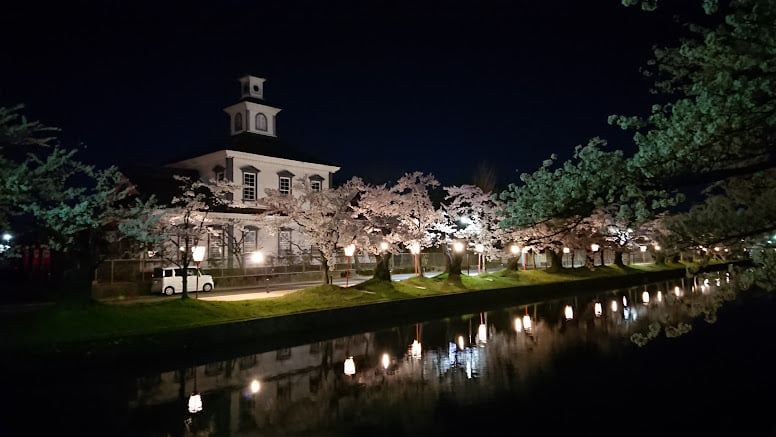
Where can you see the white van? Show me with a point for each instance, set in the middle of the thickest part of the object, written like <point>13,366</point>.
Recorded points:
<point>169,280</point>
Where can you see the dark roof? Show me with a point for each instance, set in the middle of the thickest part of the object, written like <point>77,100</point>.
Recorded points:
<point>250,142</point>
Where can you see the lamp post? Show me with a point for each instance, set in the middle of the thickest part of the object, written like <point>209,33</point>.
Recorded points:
<point>479,248</point>
<point>566,251</point>
<point>594,247</point>
<point>198,255</point>
<point>349,250</point>
<point>643,253</point>
<point>415,250</point>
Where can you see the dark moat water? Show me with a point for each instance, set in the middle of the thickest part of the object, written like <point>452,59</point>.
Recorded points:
<point>684,357</point>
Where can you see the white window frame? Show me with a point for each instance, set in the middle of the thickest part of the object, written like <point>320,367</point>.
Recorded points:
<point>316,185</point>
<point>287,189</point>
<point>250,240</point>
<point>249,187</point>
<point>261,122</point>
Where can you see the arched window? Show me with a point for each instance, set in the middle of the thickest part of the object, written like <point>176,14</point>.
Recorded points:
<point>238,122</point>
<point>261,122</point>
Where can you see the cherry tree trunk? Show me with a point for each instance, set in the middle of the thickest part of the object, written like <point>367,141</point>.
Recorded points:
<point>618,253</point>
<point>325,275</point>
<point>554,260</point>
<point>453,262</point>
<point>382,268</point>
<point>514,264</point>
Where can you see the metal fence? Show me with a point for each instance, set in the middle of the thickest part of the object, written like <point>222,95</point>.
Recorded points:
<point>280,270</point>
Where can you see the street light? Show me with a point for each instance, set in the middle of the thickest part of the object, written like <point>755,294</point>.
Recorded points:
<point>643,253</point>
<point>349,250</point>
<point>198,255</point>
<point>594,247</point>
<point>566,251</point>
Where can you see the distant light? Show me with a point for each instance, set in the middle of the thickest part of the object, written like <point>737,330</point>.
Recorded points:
<point>594,247</point>
<point>624,301</point>
<point>598,310</point>
<point>460,342</point>
<point>349,250</point>
<point>568,312</point>
<point>255,386</point>
<point>479,248</point>
<point>614,306</point>
<point>518,325</point>
<point>657,247</point>
<point>677,291</point>
<point>643,248</point>
<point>458,246</point>
<point>645,297</point>
<point>566,250</point>
<point>515,249</point>
<point>257,257</point>
<point>384,246</point>
<point>350,366</point>
<point>7,236</point>
<point>659,296</point>
<point>415,248</point>
<point>716,249</point>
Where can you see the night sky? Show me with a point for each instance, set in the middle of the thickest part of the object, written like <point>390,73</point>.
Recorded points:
<point>378,88</point>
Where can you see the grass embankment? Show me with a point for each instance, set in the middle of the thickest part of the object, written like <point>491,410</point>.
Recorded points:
<point>61,324</point>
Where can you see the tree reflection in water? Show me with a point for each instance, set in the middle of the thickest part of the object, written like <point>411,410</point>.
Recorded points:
<point>408,384</point>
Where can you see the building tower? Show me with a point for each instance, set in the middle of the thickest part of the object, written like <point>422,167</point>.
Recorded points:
<point>250,114</point>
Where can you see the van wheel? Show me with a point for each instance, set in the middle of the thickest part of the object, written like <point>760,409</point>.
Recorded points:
<point>169,291</point>
<point>207,287</point>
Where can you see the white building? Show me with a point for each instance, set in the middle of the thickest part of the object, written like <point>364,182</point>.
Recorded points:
<point>254,159</point>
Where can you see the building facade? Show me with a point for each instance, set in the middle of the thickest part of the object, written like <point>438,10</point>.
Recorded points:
<point>254,159</point>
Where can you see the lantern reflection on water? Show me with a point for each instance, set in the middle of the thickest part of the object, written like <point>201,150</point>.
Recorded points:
<point>195,403</point>
<point>350,366</point>
<point>482,333</point>
<point>415,349</point>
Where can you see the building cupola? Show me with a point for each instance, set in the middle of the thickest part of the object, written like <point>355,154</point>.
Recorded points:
<point>250,114</point>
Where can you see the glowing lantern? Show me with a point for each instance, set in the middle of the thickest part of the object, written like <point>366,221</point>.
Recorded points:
<point>255,386</point>
<point>614,305</point>
<point>569,312</point>
<point>460,342</point>
<point>645,297</point>
<point>597,309</point>
<point>518,325</point>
